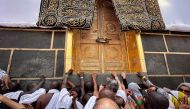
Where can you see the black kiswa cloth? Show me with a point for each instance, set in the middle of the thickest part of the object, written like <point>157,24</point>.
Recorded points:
<point>139,14</point>
<point>66,13</point>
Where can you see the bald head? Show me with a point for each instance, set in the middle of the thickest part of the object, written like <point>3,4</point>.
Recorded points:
<point>31,86</point>
<point>54,85</point>
<point>105,103</point>
<point>107,93</point>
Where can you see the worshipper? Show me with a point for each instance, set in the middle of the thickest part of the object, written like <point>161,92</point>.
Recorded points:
<point>82,83</point>
<point>31,88</point>
<point>88,90</point>
<point>185,88</point>
<point>91,102</point>
<point>106,92</point>
<point>67,99</point>
<point>5,81</point>
<point>120,96</point>
<point>10,103</point>
<point>124,79</point>
<point>105,103</point>
<point>175,97</point>
<point>44,99</point>
<point>26,98</point>
<point>155,100</point>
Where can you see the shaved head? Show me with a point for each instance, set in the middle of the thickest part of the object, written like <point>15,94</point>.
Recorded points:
<point>105,103</point>
<point>54,85</point>
<point>107,93</point>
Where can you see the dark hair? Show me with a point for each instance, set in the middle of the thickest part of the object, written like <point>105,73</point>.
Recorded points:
<point>155,100</point>
<point>78,90</point>
<point>89,87</point>
<point>55,85</point>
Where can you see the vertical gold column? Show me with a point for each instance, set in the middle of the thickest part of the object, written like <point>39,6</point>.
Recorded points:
<point>141,51</point>
<point>68,50</point>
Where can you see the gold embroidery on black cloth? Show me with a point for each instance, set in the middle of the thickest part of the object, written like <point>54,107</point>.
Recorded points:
<point>139,14</point>
<point>71,13</point>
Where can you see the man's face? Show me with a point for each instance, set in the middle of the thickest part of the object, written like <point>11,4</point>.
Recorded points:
<point>185,90</point>
<point>74,93</point>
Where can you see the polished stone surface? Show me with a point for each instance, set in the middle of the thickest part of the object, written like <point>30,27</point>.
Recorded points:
<point>24,39</point>
<point>169,82</point>
<point>60,64</point>
<point>31,64</point>
<point>4,59</point>
<point>179,64</point>
<point>178,43</point>
<point>59,40</point>
<point>153,43</point>
<point>155,64</point>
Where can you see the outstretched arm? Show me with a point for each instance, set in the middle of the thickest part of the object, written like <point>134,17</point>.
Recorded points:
<point>70,83</point>
<point>123,75</point>
<point>118,81</point>
<point>42,81</point>
<point>74,103</point>
<point>65,78</point>
<point>82,84</point>
<point>10,103</point>
<point>146,82</point>
<point>95,93</point>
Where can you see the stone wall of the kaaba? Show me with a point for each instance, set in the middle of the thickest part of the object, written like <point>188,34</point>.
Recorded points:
<point>28,53</point>
<point>167,57</point>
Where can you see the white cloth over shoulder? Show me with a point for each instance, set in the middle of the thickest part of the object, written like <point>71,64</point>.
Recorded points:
<point>175,14</point>
<point>19,13</point>
<point>65,100</point>
<point>91,102</point>
<point>52,103</point>
<point>30,98</point>
<point>53,91</point>
<point>2,73</point>
<point>122,94</point>
<point>13,95</point>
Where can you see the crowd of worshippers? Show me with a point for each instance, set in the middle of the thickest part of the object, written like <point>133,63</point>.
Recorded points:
<point>116,93</point>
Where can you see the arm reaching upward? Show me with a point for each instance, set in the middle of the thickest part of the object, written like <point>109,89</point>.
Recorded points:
<point>42,81</point>
<point>65,78</point>
<point>118,81</point>
<point>123,75</point>
<point>95,93</point>
<point>82,84</point>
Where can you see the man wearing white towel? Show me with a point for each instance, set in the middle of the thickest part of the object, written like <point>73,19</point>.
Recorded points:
<point>66,99</point>
<point>44,101</point>
<point>5,79</point>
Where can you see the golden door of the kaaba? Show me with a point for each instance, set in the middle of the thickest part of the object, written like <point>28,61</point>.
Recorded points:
<point>92,56</point>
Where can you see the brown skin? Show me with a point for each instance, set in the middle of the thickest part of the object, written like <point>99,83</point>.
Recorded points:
<point>185,90</point>
<point>106,93</point>
<point>74,104</point>
<point>82,84</point>
<point>10,103</point>
<point>43,100</point>
<point>96,92</point>
<point>105,103</point>
<point>184,103</point>
<point>6,81</point>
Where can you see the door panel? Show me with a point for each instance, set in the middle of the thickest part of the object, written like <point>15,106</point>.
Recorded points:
<point>90,59</point>
<point>114,52</point>
<point>93,56</point>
